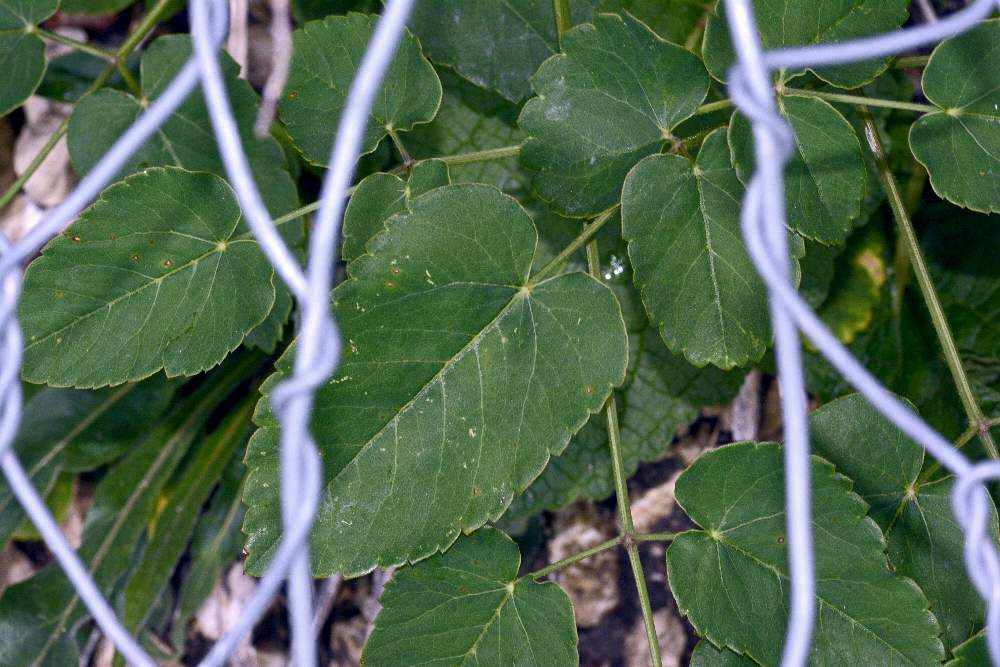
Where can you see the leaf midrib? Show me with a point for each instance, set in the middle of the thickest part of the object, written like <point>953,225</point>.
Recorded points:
<point>154,281</point>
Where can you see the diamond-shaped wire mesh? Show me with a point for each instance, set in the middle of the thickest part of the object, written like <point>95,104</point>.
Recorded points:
<point>763,221</point>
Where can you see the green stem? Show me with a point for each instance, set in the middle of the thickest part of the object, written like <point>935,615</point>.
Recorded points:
<point>582,238</point>
<point>133,85</point>
<point>576,558</point>
<point>400,148</point>
<point>482,156</point>
<point>923,276</point>
<point>147,24</point>
<point>654,537</point>
<point>859,100</point>
<point>711,107</point>
<point>622,496</point>
<point>75,44</point>
<point>905,62</point>
<point>963,440</point>
<point>563,20</point>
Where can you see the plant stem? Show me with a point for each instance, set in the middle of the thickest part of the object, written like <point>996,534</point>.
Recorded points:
<point>83,47</point>
<point>482,156</point>
<point>563,20</point>
<point>582,238</point>
<point>859,100</point>
<point>711,107</point>
<point>148,23</point>
<point>126,75</point>
<point>400,148</point>
<point>576,558</point>
<point>621,494</point>
<point>923,276</point>
<point>905,62</point>
<point>654,537</point>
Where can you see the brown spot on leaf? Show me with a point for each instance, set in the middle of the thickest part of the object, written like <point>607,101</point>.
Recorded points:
<point>135,258</point>
<point>168,263</point>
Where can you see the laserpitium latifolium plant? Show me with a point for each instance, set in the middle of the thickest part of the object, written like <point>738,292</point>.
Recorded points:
<point>542,280</point>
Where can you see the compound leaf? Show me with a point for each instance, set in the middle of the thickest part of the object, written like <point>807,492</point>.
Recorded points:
<point>824,180</point>
<point>611,98</point>
<point>925,540</point>
<point>960,144</point>
<point>143,282</point>
<point>495,45</point>
<point>681,221</point>
<point>803,22</point>
<point>325,56</point>
<point>468,607</point>
<point>22,53</point>
<point>731,578</point>
<point>459,380</point>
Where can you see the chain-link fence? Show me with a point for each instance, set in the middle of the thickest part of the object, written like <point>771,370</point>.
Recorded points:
<point>763,220</point>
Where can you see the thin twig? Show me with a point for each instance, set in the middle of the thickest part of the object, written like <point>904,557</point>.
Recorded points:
<point>954,360</point>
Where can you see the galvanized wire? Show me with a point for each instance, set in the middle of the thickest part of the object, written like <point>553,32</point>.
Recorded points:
<point>318,346</point>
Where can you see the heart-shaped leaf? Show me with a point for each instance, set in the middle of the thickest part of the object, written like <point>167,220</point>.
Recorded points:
<point>960,145</point>
<point>459,379</point>
<point>22,53</point>
<point>783,23</point>
<point>142,282</point>
<point>731,578</point>
<point>324,59</point>
<point>681,220</point>
<point>824,180</point>
<point>186,140</point>
<point>468,606</point>
<point>611,98</point>
<point>925,540</point>
<point>496,45</point>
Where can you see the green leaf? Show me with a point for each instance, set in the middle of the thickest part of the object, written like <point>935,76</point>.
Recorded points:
<point>925,540</point>
<point>661,392</point>
<point>38,617</point>
<point>960,145</point>
<point>326,54</point>
<point>706,655</point>
<point>673,20</point>
<point>72,429</point>
<point>824,180</point>
<point>479,376</point>
<point>380,196</point>
<point>69,76</point>
<point>681,220</point>
<point>93,7</point>
<point>468,607</point>
<point>972,653</point>
<point>611,98</point>
<point>186,140</point>
<point>784,23</point>
<point>731,578</point>
<point>961,254</point>
<point>216,542</point>
<point>472,119</point>
<point>177,511</point>
<point>142,282</point>
<point>495,45</point>
<point>22,53</point>
<point>856,289</point>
